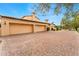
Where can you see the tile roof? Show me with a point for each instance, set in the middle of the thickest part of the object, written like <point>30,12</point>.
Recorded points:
<point>22,19</point>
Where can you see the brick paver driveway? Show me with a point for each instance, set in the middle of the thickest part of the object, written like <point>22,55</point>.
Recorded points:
<point>44,43</point>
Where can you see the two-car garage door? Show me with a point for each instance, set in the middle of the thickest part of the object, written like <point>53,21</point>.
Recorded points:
<point>20,28</point>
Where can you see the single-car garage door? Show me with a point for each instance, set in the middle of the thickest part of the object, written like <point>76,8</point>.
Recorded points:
<point>20,28</point>
<point>39,28</point>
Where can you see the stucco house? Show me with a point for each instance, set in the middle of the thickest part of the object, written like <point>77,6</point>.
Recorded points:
<point>26,24</point>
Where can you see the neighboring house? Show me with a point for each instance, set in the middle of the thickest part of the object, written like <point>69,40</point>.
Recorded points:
<point>27,24</point>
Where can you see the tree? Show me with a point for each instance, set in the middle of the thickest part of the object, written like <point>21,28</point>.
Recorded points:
<point>45,7</point>
<point>58,27</point>
<point>66,23</point>
<point>75,22</point>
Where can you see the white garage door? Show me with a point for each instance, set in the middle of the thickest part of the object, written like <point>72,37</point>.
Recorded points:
<point>20,28</point>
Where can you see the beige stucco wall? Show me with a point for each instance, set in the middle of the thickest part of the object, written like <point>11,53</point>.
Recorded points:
<point>4,27</point>
<point>35,18</point>
<point>13,26</point>
<point>32,17</point>
<point>52,26</point>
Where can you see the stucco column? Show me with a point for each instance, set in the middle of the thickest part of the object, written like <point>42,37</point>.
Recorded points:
<point>33,28</point>
<point>4,27</point>
<point>50,27</point>
<point>46,28</point>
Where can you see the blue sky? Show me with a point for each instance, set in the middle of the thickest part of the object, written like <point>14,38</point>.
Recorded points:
<point>21,9</point>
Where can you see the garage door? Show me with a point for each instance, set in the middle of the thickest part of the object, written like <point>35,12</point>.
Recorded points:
<point>20,28</point>
<point>39,28</point>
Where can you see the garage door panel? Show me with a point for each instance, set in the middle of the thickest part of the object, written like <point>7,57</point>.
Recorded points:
<point>39,28</point>
<point>20,28</point>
